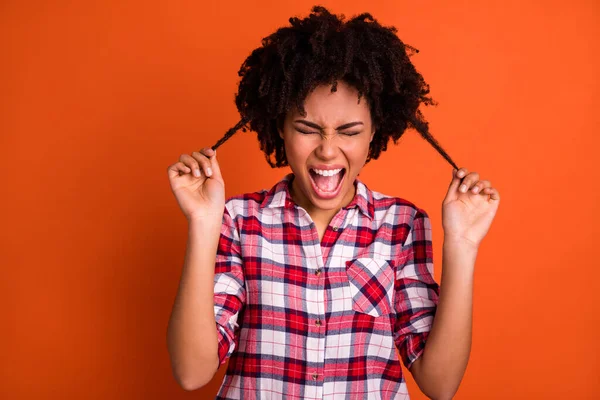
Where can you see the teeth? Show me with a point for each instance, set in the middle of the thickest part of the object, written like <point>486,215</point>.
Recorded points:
<point>327,172</point>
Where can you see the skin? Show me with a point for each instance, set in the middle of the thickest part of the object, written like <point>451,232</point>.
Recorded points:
<point>467,214</point>
<point>468,210</point>
<point>309,146</point>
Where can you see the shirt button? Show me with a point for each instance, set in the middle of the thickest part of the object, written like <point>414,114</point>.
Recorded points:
<point>318,272</point>
<point>314,376</point>
<point>318,322</point>
<point>335,228</point>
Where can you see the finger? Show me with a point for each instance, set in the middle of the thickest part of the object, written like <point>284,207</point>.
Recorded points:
<point>455,178</point>
<point>468,182</point>
<point>178,169</point>
<point>478,186</point>
<point>182,168</point>
<point>208,152</point>
<point>212,156</point>
<point>461,173</point>
<point>492,192</point>
<point>204,162</point>
<point>192,163</point>
<point>452,188</point>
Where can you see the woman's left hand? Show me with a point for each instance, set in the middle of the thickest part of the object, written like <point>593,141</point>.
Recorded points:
<point>467,216</point>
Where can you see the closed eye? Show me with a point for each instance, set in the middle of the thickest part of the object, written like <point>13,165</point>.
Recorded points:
<point>306,133</point>
<point>318,133</point>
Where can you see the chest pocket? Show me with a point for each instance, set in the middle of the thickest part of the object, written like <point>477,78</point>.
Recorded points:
<point>371,285</point>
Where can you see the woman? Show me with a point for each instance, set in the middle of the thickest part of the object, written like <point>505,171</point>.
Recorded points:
<point>310,287</point>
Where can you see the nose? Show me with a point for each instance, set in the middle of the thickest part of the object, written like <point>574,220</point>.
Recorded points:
<point>327,148</point>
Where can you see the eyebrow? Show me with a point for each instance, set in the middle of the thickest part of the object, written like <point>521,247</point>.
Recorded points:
<point>313,125</point>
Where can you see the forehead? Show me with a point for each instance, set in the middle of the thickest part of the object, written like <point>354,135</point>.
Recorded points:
<point>324,107</point>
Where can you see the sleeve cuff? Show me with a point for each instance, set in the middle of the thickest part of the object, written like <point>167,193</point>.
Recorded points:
<point>226,345</point>
<point>413,347</point>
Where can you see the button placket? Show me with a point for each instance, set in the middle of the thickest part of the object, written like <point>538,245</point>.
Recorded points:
<point>318,322</point>
<point>319,256</point>
<point>337,223</point>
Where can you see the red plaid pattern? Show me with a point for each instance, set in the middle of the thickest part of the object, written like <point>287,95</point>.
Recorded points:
<point>303,319</point>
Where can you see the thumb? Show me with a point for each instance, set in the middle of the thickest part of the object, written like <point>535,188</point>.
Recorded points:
<point>214,164</point>
<point>454,182</point>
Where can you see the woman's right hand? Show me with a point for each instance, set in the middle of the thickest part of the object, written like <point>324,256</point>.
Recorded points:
<point>197,184</point>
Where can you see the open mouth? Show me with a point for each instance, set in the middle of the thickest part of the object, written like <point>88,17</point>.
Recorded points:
<point>327,182</point>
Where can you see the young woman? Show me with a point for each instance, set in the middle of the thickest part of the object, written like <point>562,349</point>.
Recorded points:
<point>309,288</point>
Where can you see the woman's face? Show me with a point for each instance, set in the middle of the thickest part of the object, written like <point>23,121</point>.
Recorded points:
<point>327,149</point>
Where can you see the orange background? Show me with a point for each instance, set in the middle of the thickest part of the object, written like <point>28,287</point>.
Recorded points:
<point>97,100</point>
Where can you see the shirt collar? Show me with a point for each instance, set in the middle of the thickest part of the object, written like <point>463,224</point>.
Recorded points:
<point>279,196</point>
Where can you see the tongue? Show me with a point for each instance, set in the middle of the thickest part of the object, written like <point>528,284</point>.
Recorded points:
<point>327,183</point>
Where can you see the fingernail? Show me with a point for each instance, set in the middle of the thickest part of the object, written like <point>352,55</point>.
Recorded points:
<point>208,171</point>
<point>475,189</point>
<point>463,188</point>
<point>196,173</point>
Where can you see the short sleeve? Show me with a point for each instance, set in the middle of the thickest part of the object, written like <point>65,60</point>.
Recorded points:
<point>416,292</point>
<point>229,288</point>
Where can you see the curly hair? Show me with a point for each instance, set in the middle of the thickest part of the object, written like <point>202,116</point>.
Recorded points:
<point>322,49</point>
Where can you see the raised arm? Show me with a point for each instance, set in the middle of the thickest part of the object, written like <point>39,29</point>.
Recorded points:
<point>192,337</point>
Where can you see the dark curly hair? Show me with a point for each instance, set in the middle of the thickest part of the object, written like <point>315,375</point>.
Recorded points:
<point>322,49</point>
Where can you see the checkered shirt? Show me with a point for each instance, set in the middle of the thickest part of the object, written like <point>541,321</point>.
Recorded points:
<point>300,318</point>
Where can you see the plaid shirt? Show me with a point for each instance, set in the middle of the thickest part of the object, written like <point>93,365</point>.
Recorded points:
<point>300,318</point>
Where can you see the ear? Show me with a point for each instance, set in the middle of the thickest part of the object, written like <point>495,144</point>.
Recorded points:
<point>279,125</point>
<point>372,134</point>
